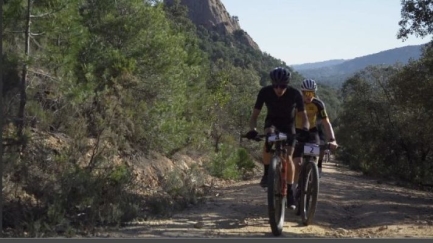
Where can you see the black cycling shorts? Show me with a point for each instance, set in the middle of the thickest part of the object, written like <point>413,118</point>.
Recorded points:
<point>299,147</point>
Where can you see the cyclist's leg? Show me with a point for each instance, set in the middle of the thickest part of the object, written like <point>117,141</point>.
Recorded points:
<point>290,177</point>
<point>291,171</point>
<point>314,138</point>
<point>266,161</point>
<point>297,160</point>
<point>266,157</point>
<point>321,155</point>
<point>290,164</point>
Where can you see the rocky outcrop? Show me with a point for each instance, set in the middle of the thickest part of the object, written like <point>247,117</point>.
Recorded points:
<point>212,15</point>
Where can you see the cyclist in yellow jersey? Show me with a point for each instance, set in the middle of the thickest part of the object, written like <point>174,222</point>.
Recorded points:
<point>315,109</point>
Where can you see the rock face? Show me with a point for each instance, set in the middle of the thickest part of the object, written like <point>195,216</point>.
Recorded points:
<point>212,15</point>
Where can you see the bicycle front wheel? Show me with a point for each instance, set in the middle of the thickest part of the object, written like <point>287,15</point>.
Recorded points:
<point>309,192</point>
<point>276,201</point>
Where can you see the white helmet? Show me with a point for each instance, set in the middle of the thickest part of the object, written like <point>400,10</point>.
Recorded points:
<point>309,85</point>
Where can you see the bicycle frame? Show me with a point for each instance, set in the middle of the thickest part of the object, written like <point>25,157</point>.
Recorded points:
<point>311,152</point>
<point>277,187</point>
<point>276,140</point>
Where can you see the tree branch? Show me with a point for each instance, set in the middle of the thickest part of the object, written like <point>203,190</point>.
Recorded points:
<point>49,13</point>
<point>43,75</point>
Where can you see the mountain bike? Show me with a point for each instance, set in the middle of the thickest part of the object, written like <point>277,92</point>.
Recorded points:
<point>277,179</point>
<point>308,184</point>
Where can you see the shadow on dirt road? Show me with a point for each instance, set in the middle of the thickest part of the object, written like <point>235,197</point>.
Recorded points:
<point>352,201</point>
<point>350,205</point>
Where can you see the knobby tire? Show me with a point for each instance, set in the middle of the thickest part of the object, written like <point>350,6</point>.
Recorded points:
<point>309,193</point>
<point>276,202</point>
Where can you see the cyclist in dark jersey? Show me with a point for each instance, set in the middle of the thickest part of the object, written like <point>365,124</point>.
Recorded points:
<point>281,101</point>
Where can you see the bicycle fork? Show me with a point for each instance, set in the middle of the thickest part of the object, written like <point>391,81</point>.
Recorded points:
<point>283,177</point>
<point>302,173</point>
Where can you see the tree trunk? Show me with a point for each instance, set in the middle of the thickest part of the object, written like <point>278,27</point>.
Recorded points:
<point>1,117</point>
<point>217,143</point>
<point>23,95</point>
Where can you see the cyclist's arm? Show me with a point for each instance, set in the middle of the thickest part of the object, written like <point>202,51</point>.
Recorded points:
<point>323,116</point>
<point>253,119</point>
<point>328,129</point>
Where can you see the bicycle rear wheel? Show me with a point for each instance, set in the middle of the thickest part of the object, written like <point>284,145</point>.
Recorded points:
<point>309,192</point>
<point>276,201</point>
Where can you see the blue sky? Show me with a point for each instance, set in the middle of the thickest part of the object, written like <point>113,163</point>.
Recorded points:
<point>303,31</point>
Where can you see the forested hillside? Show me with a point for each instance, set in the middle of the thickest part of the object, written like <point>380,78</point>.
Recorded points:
<point>94,89</point>
<point>385,124</point>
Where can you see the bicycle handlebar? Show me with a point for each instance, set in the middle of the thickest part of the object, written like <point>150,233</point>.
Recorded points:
<point>260,137</point>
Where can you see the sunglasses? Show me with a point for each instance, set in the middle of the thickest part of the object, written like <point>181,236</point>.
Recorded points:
<point>281,86</point>
<point>308,93</point>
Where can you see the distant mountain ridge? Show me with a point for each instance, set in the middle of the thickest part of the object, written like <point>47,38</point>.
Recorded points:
<point>334,72</point>
<point>313,65</point>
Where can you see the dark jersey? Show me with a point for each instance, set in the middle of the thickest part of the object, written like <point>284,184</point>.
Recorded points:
<point>280,110</point>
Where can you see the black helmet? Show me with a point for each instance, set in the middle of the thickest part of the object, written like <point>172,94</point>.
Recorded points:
<point>280,75</point>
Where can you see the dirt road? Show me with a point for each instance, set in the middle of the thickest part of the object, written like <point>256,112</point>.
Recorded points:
<point>350,205</point>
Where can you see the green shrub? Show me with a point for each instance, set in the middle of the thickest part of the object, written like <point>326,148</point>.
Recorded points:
<point>230,163</point>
